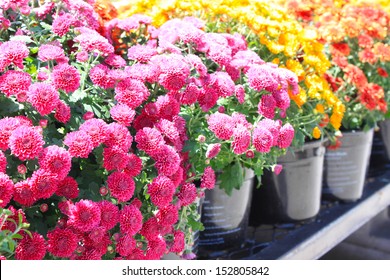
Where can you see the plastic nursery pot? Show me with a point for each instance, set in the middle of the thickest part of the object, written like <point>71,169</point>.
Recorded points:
<point>379,157</point>
<point>225,217</point>
<point>295,194</point>
<point>385,133</point>
<point>345,168</point>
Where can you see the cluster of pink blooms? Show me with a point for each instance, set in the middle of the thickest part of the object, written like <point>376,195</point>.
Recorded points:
<point>141,125</point>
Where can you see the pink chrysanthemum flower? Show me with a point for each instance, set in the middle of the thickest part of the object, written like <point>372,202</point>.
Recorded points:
<point>244,58</point>
<point>134,166</point>
<point>241,139</point>
<point>208,98</point>
<point>167,215</point>
<point>122,114</point>
<point>223,83</point>
<point>178,242</point>
<point>115,60</point>
<point>149,140</point>
<point>62,24</point>
<point>156,249</point>
<point>187,194</point>
<point>80,144</point>
<point>177,177</point>
<point>15,82</point>
<point>99,75</point>
<point>6,189</point>
<point>13,52</point>
<point>131,92</point>
<point>282,99</point>
<point>286,135</point>
<point>118,135</point>
<point>143,72</point>
<point>213,150</point>
<point>23,120</point>
<point>66,77</point>
<point>91,41</point>
<point>130,220</point>
<point>121,186</point>
<point>115,158</point>
<point>266,106</point>
<point>62,242</point>
<point>161,191</point>
<point>262,139</point>
<point>273,127</point>
<point>197,63</point>
<point>208,178</point>
<point>170,133</point>
<point>219,53</point>
<point>126,244</point>
<point>31,248</point>
<point>55,160</point>
<point>44,10</point>
<point>98,130</point>
<point>150,229</point>
<point>190,94</point>
<point>141,53</point>
<point>3,162</point>
<point>82,56</point>
<point>109,214</point>
<point>26,142</point>
<point>62,113</point>
<point>68,188</point>
<point>84,215</point>
<point>167,106</point>
<point>136,254</point>
<point>222,125</point>
<point>167,160</point>
<point>240,93</point>
<point>260,78</point>
<point>44,97</point>
<point>23,193</point>
<point>48,52</point>
<point>43,183</point>
<point>7,126</point>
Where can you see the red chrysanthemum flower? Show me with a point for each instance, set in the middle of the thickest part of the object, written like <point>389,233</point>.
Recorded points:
<point>79,143</point>
<point>222,125</point>
<point>6,189</point>
<point>213,150</point>
<point>167,215</point>
<point>187,194</point>
<point>62,24</point>
<point>55,160</point>
<point>156,249</point>
<point>118,135</point>
<point>167,160</point>
<point>15,82</point>
<point>150,229</point>
<point>340,49</point>
<point>43,183</point>
<point>130,220</point>
<point>47,52</point>
<point>23,193</point>
<point>99,76</point>
<point>62,113</point>
<point>241,139</point>
<point>149,140</point>
<point>136,254</point>
<point>3,162</point>
<point>355,75</point>
<point>267,106</point>
<point>26,142</point>
<point>161,191</point>
<point>131,92</point>
<point>122,114</point>
<point>208,178</point>
<point>44,97</point>
<point>13,52</point>
<point>286,135</point>
<point>84,215</point>
<point>126,244</point>
<point>62,242</point>
<point>109,214</point>
<point>262,139</point>
<point>97,129</point>
<point>66,77</point>
<point>134,166</point>
<point>178,177</point>
<point>115,158</point>
<point>31,248</point>
<point>178,242</point>
<point>167,107</point>
<point>7,126</point>
<point>68,188</point>
<point>121,186</point>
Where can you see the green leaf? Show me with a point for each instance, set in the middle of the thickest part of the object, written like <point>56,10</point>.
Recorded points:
<point>17,236</point>
<point>77,95</point>
<point>195,225</point>
<point>231,178</point>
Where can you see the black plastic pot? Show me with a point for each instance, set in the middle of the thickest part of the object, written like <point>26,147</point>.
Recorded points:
<point>295,194</point>
<point>345,168</point>
<point>385,133</point>
<point>225,218</point>
<point>379,158</point>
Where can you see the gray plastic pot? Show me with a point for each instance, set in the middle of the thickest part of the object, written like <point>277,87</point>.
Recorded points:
<point>345,168</point>
<point>295,194</point>
<point>225,218</point>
